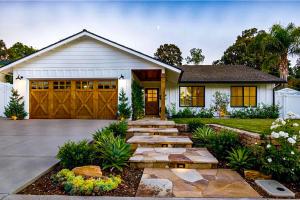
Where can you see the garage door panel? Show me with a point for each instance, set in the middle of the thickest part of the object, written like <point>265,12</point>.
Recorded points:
<point>107,104</point>
<point>39,99</point>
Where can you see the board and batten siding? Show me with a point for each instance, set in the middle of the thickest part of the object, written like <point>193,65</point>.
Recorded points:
<point>264,93</point>
<point>84,58</point>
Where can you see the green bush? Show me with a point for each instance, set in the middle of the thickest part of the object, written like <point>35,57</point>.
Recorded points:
<point>222,142</point>
<point>191,113</point>
<point>137,98</point>
<point>15,106</point>
<point>194,124</point>
<point>119,128</point>
<point>260,112</point>
<point>73,154</point>
<point>102,135</point>
<point>201,136</point>
<point>205,113</point>
<point>124,111</point>
<point>77,185</point>
<point>240,159</point>
<point>113,152</point>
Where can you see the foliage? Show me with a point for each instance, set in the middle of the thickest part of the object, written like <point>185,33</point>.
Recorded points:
<point>221,101</point>
<point>190,113</point>
<point>77,185</point>
<point>262,111</point>
<point>9,78</point>
<point>170,54</point>
<point>119,128</point>
<point>281,156</point>
<point>249,50</point>
<point>240,159</point>
<point>73,154</point>
<point>19,50</point>
<point>202,135</point>
<point>113,152</point>
<point>15,106</point>
<point>195,124</point>
<point>282,42</point>
<point>103,135</point>
<point>196,56</point>
<point>124,110</point>
<point>223,142</point>
<point>138,103</point>
<point>205,113</point>
<point>3,51</point>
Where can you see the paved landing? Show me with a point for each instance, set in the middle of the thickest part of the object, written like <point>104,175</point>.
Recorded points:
<point>156,139</point>
<point>28,148</point>
<point>154,131</point>
<point>223,183</point>
<point>150,122</point>
<point>172,157</point>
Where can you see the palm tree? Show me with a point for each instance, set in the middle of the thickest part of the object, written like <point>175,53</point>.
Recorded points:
<point>284,41</point>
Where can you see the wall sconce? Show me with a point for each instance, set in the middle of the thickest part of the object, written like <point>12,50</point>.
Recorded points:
<point>19,77</point>
<point>121,77</point>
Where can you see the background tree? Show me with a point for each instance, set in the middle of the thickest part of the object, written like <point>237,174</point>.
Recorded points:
<point>3,51</point>
<point>196,56</point>
<point>124,110</point>
<point>19,50</point>
<point>170,54</point>
<point>284,41</point>
<point>15,106</point>
<point>294,76</point>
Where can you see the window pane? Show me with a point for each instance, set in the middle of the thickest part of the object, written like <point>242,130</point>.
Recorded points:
<point>253,91</point>
<point>236,101</point>
<point>192,96</point>
<point>246,101</point>
<point>246,91</point>
<point>252,101</point>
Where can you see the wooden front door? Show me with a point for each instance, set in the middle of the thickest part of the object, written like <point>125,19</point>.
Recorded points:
<point>73,99</point>
<point>151,101</point>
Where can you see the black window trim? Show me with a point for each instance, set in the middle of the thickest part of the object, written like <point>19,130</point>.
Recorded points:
<point>193,106</point>
<point>243,86</point>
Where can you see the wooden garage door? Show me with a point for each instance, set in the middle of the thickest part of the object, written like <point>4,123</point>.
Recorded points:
<point>78,99</point>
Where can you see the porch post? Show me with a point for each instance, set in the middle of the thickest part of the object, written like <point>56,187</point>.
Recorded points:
<point>163,96</point>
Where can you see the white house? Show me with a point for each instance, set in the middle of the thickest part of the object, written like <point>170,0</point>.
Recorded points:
<point>82,75</point>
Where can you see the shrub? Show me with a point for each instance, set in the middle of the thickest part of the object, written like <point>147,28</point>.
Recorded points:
<point>205,113</point>
<point>185,113</point>
<point>194,124</point>
<point>281,156</point>
<point>137,97</point>
<point>223,142</point>
<point>103,135</point>
<point>15,106</point>
<point>221,102</point>
<point>124,111</point>
<point>77,185</point>
<point>73,154</point>
<point>201,136</point>
<point>113,152</point>
<point>262,111</point>
<point>119,128</point>
<point>240,159</point>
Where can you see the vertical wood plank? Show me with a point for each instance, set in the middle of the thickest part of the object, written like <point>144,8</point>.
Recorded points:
<point>50,100</point>
<point>95,99</point>
<point>163,96</point>
<point>73,99</point>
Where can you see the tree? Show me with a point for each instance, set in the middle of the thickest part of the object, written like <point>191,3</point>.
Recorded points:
<point>170,54</point>
<point>137,98</point>
<point>196,56</point>
<point>3,51</point>
<point>19,50</point>
<point>15,106</point>
<point>124,110</point>
<point>283,41</point>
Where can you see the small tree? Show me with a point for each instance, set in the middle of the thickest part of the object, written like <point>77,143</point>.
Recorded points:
<point>124,110</point>
<point>221,101</point>
<point>170,54</point>
<point>196,56</point>
<point>15,106</point>
<point>138,104</point>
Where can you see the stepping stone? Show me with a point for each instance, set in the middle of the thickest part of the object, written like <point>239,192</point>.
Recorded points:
<point>151,131</point>
<point>274,188</point>
<point>151,123</point>
<point>192,158</point>
<point>160,141</point>
<point>195,183</point>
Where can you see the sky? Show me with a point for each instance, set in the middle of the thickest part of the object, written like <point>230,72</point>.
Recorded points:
<point>143,25</point>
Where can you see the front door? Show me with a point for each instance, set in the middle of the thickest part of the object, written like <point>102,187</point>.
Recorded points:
<point>151,101</point>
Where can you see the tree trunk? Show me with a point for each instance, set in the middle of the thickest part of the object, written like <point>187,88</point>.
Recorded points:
<point>284,68</point>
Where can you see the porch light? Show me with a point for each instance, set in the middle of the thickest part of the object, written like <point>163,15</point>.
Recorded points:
<point>19,77</point>
<point>121,77</point>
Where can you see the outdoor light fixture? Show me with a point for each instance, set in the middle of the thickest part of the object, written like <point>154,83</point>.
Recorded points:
<point>19,77</point>
<point>121,77</point>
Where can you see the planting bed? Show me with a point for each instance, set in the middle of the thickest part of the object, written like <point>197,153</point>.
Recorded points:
<point>130,181</point>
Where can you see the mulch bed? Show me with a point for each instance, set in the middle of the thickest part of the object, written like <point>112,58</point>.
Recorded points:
<point>130,182</point>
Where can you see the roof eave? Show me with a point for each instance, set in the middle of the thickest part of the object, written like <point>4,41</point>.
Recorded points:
<point>279,81</point>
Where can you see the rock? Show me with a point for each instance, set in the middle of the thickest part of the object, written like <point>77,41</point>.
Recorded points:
<point>88,171</point>
<point>253,175</point>
<point>274,188</point>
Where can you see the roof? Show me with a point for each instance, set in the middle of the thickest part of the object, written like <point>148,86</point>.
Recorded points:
<point>225,74</point>
<point>99,38</point>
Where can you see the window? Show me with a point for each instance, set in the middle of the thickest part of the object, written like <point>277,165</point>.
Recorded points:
<point>102,85</point>
<point>152,95</point>
<point>84,85</point>
<point>192,97</point>
<point>41,85</point>
<point>57,85</point>
<point>243,96</point>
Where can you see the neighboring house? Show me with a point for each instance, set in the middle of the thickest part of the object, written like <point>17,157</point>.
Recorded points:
<point>82,75</point>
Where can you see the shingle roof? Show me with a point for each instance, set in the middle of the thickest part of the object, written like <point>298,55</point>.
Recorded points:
<point>225,74</point>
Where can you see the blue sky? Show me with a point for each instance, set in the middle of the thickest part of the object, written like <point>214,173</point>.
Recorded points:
<point>210,25</point>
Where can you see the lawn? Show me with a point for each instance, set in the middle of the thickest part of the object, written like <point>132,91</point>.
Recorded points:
<point>253,125</point>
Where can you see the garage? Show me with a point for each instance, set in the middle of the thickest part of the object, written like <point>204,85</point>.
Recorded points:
<point>73,99</point>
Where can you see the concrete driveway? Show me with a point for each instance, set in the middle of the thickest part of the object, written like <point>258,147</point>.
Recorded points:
<point>28,148</point>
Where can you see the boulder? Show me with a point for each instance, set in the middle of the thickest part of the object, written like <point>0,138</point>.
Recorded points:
<point>88,171</point>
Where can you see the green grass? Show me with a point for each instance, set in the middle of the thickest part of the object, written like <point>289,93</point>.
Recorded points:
<point>253,125</point>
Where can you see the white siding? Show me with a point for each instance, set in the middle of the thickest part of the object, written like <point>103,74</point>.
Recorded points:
<point>264,93</point>
<point>5,91</point>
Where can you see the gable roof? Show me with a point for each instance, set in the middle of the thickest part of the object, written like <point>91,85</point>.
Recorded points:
<point>82,33</point>
<point>225,74</point>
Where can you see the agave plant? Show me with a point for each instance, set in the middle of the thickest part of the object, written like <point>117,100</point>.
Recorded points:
<point>201,136</point>
<point>240,159</point>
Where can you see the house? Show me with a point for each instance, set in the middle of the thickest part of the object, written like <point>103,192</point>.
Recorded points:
<point>82,75</point>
